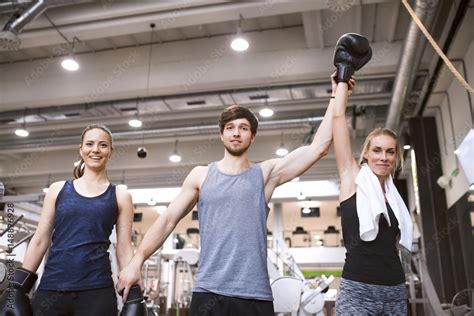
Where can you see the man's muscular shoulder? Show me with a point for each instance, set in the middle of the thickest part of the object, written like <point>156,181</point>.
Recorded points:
<point>197,175</point>
<point>267,168</point>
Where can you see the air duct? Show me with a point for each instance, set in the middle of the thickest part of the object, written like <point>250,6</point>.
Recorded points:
<point>17,23</point>
<point>12,6</point>
<point>9,36</point>
<point>409,61</point>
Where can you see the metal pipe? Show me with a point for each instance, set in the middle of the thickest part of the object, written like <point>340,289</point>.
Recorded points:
<point>13,5</point>
<point>16,24</point>
<point>9,35</point>
<point>409,59</point>
<point>121,137</point>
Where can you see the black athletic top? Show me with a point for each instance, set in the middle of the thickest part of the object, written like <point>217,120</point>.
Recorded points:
<point>373,262</point>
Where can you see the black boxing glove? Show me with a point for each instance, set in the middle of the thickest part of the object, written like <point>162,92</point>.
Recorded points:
<point>14,300</point>
<point>135,304</point>
<point>351,53</point>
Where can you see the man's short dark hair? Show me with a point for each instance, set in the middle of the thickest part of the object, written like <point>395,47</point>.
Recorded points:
<point>234,112</point>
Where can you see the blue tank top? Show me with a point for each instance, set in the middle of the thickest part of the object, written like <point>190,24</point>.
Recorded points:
<point>78,257</point>
<point>232,225</point>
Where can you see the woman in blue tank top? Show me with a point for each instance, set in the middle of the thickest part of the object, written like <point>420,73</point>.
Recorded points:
<point>78,217</point>
<point>374,220</point>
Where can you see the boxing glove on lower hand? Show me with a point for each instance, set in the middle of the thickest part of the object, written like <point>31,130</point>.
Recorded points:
<point>352,52</point>
<point>14,300</point>
<point>135,304</point>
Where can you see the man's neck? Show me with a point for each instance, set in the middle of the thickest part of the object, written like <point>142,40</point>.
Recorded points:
<point>234,164</point>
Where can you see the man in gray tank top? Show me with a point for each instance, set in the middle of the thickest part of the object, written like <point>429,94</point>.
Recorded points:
<point>232,196</point>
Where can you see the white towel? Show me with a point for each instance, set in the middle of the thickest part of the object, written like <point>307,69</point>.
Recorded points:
<point>371,204</point>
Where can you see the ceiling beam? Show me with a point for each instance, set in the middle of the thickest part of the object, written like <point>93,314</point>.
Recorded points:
<point>313,31</point>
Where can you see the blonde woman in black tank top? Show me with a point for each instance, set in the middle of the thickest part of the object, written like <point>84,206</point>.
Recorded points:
<point>373,281</point>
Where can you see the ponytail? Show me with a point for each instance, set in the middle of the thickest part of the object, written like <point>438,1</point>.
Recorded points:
<point>79,169</point>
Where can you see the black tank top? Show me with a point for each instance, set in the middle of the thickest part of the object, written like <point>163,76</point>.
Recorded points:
<point>373,262</point>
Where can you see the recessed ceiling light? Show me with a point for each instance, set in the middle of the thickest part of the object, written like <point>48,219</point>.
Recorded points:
<point>266,112</point>
<point>70,64</point>
<point>282,151</point>
<point>239,44</point>
<point>21,132</point>
<point>175,158</point>
<point>135,123</point>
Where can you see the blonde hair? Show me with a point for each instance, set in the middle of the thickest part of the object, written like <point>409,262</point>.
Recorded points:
<point>377,132</point>
<point>79,168</point>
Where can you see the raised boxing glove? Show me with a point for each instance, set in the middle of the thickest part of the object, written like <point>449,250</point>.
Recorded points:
<point>135,304</point>
<point>14,300</point>
<point>351,53</point>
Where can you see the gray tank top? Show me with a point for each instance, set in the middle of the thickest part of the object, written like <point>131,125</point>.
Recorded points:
<point>232,225</point>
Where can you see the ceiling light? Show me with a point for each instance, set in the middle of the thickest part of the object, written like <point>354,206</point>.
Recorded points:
<point>282,151</point>
<point>239,44</point>
<point>266,112</point>
<point>70,64</point>
<point>406,147</point>
<point>151,202</point>
<point>46,188</point>
<point>175,157</point>
<point>301,196</point>
<point>21,132</point>
<point>135,123</point>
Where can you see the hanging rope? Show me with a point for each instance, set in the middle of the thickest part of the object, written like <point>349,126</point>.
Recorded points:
<point>437,48</point>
